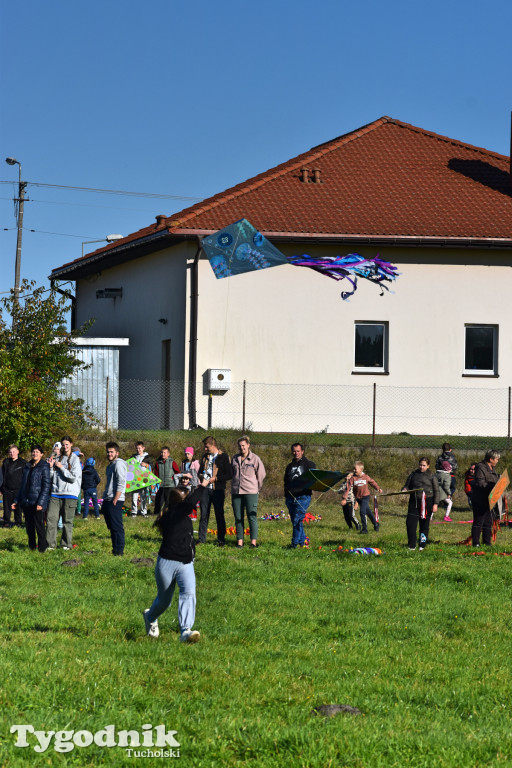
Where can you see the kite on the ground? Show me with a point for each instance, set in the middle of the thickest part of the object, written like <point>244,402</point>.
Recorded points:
<point>138,477</point>
<point>240,248</point>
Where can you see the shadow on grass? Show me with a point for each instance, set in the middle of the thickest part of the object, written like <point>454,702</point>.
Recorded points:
<point>11,545</point>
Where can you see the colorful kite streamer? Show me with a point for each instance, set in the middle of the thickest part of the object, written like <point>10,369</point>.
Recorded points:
<point>240,248</point>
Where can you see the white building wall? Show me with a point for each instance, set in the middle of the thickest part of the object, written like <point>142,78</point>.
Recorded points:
<point>289,326</point>
<point>154,288</point>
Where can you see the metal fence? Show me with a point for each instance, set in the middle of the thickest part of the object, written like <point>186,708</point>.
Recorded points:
<point>373,414</point>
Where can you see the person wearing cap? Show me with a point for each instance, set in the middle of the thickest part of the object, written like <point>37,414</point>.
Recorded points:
<point>141,456</point>
<point>33,496</point>
<point>188,470</point>
<point>90,481</point>
<point>66,476</point>
<point>12,473</point>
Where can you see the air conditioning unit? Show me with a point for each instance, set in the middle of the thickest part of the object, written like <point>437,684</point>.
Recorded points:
<point>219,379</point>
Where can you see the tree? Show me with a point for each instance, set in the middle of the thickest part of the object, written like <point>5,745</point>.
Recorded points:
<point>36,353</point>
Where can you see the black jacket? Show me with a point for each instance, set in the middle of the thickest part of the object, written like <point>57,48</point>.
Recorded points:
<point>293,485</point>
<point>224,471</point>
<point>449,457</point>
<point>484,481</point>
<point>90,478</point>
<point>177,530</point>
<point>13,473</point>
<point>425,480</point>
<point>35,485</point>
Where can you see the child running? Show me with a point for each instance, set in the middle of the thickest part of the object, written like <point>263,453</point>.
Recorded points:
<point>359,483</point>
<point>349,505</point>
<point>175,564</point>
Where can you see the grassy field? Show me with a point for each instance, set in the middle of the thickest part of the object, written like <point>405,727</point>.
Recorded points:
<point>418,642</point>
<point>401,440</point>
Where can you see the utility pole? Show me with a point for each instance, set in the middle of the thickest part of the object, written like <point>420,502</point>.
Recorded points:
<point>20,200</point>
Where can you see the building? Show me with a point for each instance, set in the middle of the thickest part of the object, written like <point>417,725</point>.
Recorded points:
<point>439,209</point>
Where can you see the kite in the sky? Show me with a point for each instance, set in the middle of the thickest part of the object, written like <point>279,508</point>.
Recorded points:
<point>241,248</point>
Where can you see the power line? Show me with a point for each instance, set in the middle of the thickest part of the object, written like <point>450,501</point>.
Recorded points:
<point>111,191</point>
<point>83,205</point>
<point>62,234</point>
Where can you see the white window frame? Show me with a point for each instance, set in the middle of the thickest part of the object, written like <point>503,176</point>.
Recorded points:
<point>482,371</point>
<point>375,370</point>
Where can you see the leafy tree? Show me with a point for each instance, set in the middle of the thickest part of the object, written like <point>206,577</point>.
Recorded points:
<point>36,353</point>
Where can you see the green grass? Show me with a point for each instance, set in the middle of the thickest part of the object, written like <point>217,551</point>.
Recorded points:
<point>402,440</point>
<point>419,642</point>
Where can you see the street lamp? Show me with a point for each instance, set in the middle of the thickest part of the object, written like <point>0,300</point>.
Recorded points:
<point>108,239</point>
<point>20,200</point>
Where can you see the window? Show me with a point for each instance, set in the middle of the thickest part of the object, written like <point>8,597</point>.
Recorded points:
<point>481,350</point>
<point>371,348</point>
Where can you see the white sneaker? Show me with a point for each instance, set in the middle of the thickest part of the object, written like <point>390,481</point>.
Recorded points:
<point>66,548</point>
<point>190,636</point>
<point>421,549</point>
<point>151,626</point>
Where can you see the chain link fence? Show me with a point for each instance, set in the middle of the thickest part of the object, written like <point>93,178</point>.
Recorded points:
<point>362,414</point>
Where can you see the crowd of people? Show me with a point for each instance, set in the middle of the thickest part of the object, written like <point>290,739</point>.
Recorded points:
<point>47,494</point>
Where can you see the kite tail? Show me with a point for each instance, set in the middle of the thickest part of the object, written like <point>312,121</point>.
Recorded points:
<point>376,508</point>
<point>423,511</point>
<point>350,267</point>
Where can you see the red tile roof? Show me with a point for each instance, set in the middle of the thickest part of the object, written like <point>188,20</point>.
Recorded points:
<point>385,180</point>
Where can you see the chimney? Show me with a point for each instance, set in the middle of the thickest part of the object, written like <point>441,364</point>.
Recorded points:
<point>160,220</point>
<point>304,175</point>
<point>316,176</point>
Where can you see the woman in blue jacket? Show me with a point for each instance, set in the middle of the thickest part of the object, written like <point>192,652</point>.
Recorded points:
<point>33,498</point>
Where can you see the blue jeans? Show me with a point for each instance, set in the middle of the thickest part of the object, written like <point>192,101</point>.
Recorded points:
<point>297,507</point>
<point>364,511</point>
<point>90,493</point>
<point>168,573</point>
<point>113,514</point>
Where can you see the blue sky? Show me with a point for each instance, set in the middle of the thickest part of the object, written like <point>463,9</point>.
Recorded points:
<point>189,98</point>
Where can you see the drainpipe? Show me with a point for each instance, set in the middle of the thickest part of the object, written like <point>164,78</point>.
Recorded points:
<point>192,358</point>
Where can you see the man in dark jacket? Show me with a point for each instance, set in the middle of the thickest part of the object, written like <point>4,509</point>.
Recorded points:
<point>216,466</point>
<point>296,496</point>
<point>12,470</point>
<point>485,479</point>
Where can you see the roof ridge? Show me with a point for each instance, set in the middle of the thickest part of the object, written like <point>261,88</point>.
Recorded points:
<point>275,172</point>
<point>312,154</point>
<point>447,139</point>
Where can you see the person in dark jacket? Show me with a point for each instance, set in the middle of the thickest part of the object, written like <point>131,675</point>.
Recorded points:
<point>175,564</point>
<point>90,482</point>
<point>297,497</point>
<point>216,467</point>
<point>421,508</point>
<point>484,481</point>
<point>12,470</point>
<point>33,497</point>
<point>449,456</point>
<point>165,469</point>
